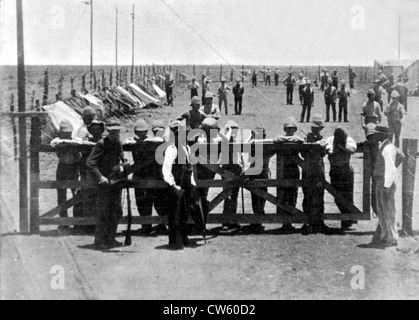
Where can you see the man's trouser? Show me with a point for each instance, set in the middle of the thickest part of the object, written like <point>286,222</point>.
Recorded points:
<point>342,180</point>
<point>386,211</point>
<point>238,105</point>
<point>380,102</point>
<point>66,172</point>
<point>258,203</point>
<point>230,204</point>
<point>313,203</point>
<point>178,217</point>
<point>254,82</point>
<point>352,84</point>
<point>396,130</point>
<point>290,95</point>
<point>328,105</point>
<point>306,109</point>
<point>404,102</point>
<point>343,109</point>
<point>268,81</point>
<point>146,198</point>
<point>204,174</point>
<point>169,94</point>
<point>276,81</point>
<point>225,101</point>
<point>291,172</point>
<point>194,93</point>
<point>108,214</point>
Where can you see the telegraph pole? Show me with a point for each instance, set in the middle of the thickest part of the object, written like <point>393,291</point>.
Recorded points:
<point>133,43</point>
<point>23,161</point>
<point>91,37</point>
<point>116,41</point>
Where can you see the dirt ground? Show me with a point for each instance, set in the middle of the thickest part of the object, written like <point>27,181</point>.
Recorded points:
<point>242,266</point>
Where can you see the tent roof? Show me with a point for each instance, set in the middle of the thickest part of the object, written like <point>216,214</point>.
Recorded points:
<point>405,63</point>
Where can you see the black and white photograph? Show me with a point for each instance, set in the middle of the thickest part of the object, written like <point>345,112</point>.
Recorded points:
<point>209,154</point>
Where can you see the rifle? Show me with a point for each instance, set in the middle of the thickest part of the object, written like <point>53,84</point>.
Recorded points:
<point>243,209</point>
<point>128,240</point>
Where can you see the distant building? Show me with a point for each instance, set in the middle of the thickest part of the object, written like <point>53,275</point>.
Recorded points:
<point>407,67</point>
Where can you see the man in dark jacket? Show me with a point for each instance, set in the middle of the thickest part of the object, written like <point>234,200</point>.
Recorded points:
<point>290,83</point>
<point>308,101</point>
<point>238,92</point>
<point>102,162</point>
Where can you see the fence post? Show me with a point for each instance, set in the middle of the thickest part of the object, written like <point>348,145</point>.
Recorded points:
<point>410,149</point>
<point>46,88</point>
<point>35,141</point>
<point>279,177</point>
<point>14,127</point>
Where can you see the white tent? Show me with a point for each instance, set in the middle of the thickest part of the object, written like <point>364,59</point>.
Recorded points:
<point>143,96</point>
<point>160,93</point>
<point>132,99</point>
<point>59,111</point>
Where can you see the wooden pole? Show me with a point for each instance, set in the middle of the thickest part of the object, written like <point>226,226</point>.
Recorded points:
<point>83,84</point>
<point>73,91</point>
<point>91,37</point>
<point>133,43</point>
<point>232,75</point>
<point>279,177</point>
<point>35,169</point>
<point>221,72</point>
<point>14,127</point>
<point>46,88</point>
<point>116,44</point>
<point>94,81</point>
<point>23,157</point>
<point>242,73</point>
<point>410,149</point>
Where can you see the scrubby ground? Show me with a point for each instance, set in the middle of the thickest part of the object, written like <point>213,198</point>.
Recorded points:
<point>240,266</point>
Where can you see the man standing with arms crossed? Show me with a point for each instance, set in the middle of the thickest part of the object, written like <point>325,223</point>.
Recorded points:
<point>290,83</point>
<point>223,94</point>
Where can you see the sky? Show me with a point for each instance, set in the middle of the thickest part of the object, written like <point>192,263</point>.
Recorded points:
<point>249,32</point>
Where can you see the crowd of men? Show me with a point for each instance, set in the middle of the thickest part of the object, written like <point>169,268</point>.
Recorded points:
<point>182,198</point>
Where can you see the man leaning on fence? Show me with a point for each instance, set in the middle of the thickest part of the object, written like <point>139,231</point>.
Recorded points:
<point>104,161</point>
<point>389,158</point>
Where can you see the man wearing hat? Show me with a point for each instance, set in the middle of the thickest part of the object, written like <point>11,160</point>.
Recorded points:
<point>324,78</point>
<point>403,91</point>
<point>330,95</point>
<point>372,145</point>
<point>268,77</point>
<point>206,87</point>
<point>105,157</point>
<point>193,86</point>
<point>308,101</point>
<point>178,174</point>
<point>395,114</point>
<point>254,79</point>
<point>352,77</point>
<point>343,95</point>
<point>223,91</point>
<point>290,83</point>
<point>89,114</point>
<point>277,75</point>
<point>96,130</point>
<point>231,164</point>
<point>371,110</point>
<point>238,92</point>
<point>335,78</point>
<point>302,83</point>
<point>169,85</point>
<point>378,91</point>
<point>194,117</point>
<point>157,128</point>
<point>68,163</point>
<point>313,203</point>
<point>144,156</point>
<point>209,108</point>
<point>389,158</point>
<point>291,166</point>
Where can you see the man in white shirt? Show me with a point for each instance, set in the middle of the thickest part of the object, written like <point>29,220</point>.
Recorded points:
<point>388,160</point>
<point>178,174</point>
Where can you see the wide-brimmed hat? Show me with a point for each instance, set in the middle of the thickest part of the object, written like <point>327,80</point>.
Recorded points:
<point>371,92</point>
<point>97,123</point>
<point>223,79</point>
<point>370,129</point>
<point>290,122</point>
<point>66,127</point>
<point>317,121</point>
<point>210,123</point>
<point>395,94</point>
<point>113,125</point>
<point>195,101</point>
<point>232,124</point>
<point>382,130</point>
<point>141,126</point>
<point>158,125</point>
<point>89,111</point>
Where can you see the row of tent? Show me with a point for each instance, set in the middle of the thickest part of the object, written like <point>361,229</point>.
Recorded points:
<point>116,101</point>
